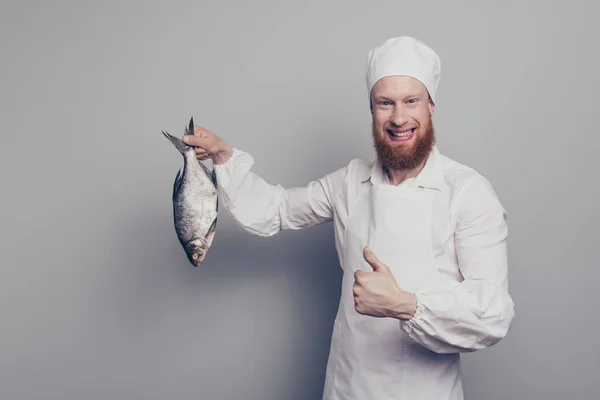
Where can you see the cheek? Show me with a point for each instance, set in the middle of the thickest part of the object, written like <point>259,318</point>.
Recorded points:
<point>380,119</point>
<point>422,116</point>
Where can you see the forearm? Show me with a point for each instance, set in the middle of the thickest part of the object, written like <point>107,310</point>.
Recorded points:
<point>477,312</point>
<point>252,202</point>
<point>470,316</point>
<point>265,209</point>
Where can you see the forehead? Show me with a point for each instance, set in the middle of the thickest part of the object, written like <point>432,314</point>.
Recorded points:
<point>398,85</point>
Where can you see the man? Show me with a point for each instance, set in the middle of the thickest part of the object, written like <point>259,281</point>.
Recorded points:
<point>421,240</point>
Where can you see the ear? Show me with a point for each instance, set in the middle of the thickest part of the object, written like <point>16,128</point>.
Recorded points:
<point>431,106</point>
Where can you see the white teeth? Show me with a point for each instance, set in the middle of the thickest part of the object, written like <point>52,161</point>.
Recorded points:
<point>401,134</point>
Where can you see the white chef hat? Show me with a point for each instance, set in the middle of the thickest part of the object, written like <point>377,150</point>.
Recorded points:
<point>404,56</point>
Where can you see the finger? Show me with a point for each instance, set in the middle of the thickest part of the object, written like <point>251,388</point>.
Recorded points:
<point>373,261</point>
<point>358,308</point>
<point>200,151</point>
<point>358,275</point>
<point>195,141</point>
<point>200,131</point>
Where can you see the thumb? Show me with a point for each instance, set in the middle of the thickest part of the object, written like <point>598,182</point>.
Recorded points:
<point>374,262</point>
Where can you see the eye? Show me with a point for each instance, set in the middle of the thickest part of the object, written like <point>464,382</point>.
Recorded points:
<point>412,101</point>
<point>385,103</point>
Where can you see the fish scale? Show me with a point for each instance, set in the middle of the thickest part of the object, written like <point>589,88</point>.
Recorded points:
<point>195,201</point>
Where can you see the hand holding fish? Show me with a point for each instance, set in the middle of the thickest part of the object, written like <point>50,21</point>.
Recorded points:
<point>208,145</point>
<point>377,293</point>
<point>195,195</point>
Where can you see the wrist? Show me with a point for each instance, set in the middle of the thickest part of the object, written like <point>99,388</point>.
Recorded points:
<point>223,156</point>
<point>405,307</point>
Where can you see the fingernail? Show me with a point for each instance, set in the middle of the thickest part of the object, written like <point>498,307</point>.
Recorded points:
<point>186,139</point>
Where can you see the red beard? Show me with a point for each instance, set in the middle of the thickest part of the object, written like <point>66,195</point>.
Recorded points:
<point>401,156</point>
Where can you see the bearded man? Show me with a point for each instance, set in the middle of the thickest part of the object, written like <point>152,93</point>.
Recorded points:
<point>421,240</point>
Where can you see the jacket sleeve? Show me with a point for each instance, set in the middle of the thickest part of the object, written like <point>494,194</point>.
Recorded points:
<point>477,312</point>
<point>264,209</point>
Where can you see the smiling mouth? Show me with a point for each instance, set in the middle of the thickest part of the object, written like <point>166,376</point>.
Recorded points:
<point>401,134</point>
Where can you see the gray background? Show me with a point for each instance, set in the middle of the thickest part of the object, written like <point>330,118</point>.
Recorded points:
<point>97,298</point>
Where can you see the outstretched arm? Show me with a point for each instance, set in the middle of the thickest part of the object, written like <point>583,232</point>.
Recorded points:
<point>265,209</point>
<point>256,205</point>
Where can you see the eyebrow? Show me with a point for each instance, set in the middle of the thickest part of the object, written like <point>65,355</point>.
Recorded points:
<point>409,96</point>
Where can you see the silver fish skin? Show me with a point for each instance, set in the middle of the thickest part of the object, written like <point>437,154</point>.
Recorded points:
<point>195,201</point>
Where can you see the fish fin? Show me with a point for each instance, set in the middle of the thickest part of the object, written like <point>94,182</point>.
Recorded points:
<point>177,183</point>
<point>178,143</point>
<point>214,176</point>
<point>211,233</point>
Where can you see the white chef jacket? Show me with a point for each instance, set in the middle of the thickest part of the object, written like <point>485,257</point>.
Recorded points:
<point>468,231</point>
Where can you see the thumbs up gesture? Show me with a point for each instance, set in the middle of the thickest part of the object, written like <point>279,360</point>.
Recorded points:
<point>378,294</point>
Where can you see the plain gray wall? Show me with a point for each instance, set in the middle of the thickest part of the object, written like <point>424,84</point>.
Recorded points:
<point>97,298</point>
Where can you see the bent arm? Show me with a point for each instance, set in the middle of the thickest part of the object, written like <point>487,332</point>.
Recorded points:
<point>478,312</point>
<point>265,209</point>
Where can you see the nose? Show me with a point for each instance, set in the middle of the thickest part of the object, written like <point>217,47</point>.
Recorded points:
<point>399,116</point>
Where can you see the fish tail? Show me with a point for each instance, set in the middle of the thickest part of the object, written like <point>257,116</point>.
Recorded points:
<point>178,143</point>
<point>189,130</point>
